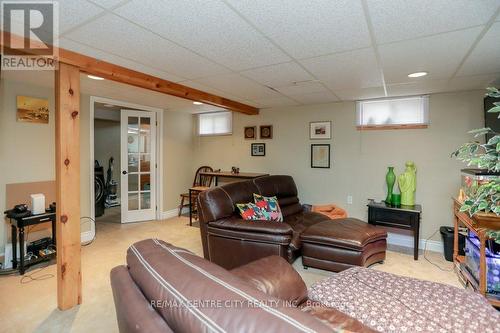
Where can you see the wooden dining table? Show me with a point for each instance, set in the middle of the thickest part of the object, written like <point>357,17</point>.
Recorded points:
<point>229,174</point>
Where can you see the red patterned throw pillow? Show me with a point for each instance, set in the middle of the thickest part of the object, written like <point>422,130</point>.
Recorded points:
<point>250,211</point>
<point>270,206</point>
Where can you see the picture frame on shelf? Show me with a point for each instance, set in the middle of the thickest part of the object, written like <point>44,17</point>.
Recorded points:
<point>320,156</point>
<point>266,132</point>
<point>258,149</point>
<point>250,132</point>
<point>320,130</point>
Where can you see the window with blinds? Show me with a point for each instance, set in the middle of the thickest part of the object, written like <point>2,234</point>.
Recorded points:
<point>394,113</point>
<point>216,123</point>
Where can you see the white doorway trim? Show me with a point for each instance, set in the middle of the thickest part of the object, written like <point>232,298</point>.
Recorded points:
<point>159,153</point>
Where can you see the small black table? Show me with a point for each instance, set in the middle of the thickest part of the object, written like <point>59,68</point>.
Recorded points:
<point>403,217</point>
<point>17,226</point>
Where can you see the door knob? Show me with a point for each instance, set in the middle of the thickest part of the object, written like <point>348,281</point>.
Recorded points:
<point>124,172</point>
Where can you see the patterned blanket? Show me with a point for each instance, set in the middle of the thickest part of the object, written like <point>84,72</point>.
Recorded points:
<point>390,303</point>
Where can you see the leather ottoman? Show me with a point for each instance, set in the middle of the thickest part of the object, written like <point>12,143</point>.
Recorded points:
<point>336,245</point>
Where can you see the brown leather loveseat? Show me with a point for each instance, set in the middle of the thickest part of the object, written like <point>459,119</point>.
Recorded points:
<point>164,288</point>
<point>230,241</point>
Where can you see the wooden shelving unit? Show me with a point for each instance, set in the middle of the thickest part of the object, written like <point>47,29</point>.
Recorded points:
<point>479,224</point>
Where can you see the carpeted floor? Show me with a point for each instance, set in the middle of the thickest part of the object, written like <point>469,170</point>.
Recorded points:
<point>30,305</point>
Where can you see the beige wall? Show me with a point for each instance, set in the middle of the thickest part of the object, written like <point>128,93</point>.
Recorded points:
<point>359,159</point>
<point>27,151</point>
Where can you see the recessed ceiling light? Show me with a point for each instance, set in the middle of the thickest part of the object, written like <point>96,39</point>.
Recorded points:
<point>93,77</point>
<point>108,105</point>
<point>417,74</point>
<point>197,103</point>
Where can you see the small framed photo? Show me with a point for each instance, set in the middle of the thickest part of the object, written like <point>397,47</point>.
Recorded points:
<point>258,149</point>
<point>320,130</point>
<point>32,110</point>
<point>266,131</point>
<point>320,156</point>
<point>250,132</point>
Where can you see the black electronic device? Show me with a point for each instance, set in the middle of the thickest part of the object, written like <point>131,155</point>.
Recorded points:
<point>99,189</point>
<point>18,211</point>
<point>38,245</point>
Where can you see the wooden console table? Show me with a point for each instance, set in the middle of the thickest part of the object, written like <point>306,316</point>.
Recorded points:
<point>479,224</point>
<point>229,174</point>
<point>17,227</point>
<point>404,217</point>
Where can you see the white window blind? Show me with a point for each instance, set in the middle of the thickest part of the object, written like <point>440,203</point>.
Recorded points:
<point>393,112</point>
<point>216,123</point>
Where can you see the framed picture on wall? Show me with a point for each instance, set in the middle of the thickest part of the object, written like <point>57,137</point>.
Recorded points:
<point>250,132</point>
<point>320,156</point>
<point>258,149</point>
<point>32,110</point>
<point>266,131</point>
<point>320,130</point>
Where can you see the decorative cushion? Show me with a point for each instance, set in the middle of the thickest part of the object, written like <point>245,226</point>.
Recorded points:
<point>270,205</point>
<point>250,211</point>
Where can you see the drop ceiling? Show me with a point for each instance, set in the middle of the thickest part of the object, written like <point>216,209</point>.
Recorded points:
<point>269,53</point>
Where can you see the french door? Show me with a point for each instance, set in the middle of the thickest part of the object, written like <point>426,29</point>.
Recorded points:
<point>138,165</point>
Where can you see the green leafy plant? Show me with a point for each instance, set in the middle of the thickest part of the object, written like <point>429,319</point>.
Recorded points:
<point>486,197</point>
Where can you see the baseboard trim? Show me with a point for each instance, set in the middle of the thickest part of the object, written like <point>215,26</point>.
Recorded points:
<point>168,214</point>
<point>407,241</point>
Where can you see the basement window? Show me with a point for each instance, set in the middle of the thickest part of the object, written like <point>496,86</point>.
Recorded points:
<point>393,113</point>
<point>215,123</point>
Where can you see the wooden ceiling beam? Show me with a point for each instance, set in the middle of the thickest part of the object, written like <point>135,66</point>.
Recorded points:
<point>124,75</point>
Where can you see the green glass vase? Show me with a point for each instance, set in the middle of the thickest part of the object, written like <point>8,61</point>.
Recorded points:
<point>390,179</point>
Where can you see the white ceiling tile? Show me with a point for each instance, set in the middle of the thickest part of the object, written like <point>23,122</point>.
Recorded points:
<point>274,102</point>
<point>395,20</point>
<point>485,58</point>
<point>210,28</point>
<point>438,55</point>
<point>358,94</point>
<point>101,55</point>
<point>278,75</point>
<point>302,88</point>
<point>315,98</point>
<point>307,28</point>
<point>347,70</point>
<point>107,3</point>
<point>436,86</point>
<point>75,12</point>
<point>239,85</point>
<point>129,41</point>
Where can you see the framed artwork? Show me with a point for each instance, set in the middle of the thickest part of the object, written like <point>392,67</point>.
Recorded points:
<point>32,110</point>
<point>250,132</point>
<point>266,131</point>
<point>258,149</point>
<point>320,130</point>
<point>320,156</point>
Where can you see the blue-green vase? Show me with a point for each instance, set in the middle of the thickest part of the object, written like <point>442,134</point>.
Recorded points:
<point>390,179</point>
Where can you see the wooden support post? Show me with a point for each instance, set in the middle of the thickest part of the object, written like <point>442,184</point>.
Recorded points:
<point>69,279</point>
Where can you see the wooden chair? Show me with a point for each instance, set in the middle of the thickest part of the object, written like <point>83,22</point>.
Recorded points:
<point>200,181</point>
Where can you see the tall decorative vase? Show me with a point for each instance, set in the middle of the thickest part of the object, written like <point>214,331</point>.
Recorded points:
<point>408,184</point>
<point>390,179</point>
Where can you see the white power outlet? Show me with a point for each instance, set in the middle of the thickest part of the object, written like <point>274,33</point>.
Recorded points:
<point>349,199</point>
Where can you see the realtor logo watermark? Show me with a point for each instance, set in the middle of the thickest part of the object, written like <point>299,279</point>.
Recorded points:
<point>29,35</point>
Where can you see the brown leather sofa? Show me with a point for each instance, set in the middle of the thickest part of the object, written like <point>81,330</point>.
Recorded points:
<point>230,241</point>
<point>164,288</point>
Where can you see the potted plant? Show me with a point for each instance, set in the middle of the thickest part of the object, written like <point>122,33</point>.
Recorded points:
<point>486,199</point>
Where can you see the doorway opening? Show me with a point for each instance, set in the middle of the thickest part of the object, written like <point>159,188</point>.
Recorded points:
<point>126,162</point>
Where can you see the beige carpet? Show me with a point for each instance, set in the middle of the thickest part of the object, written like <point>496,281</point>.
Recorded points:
<point>32,306</point>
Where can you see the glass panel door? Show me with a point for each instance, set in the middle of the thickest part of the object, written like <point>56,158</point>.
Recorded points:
<point>138,156</point>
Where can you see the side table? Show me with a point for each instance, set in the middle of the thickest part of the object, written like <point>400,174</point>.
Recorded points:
<point>404,217</point>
